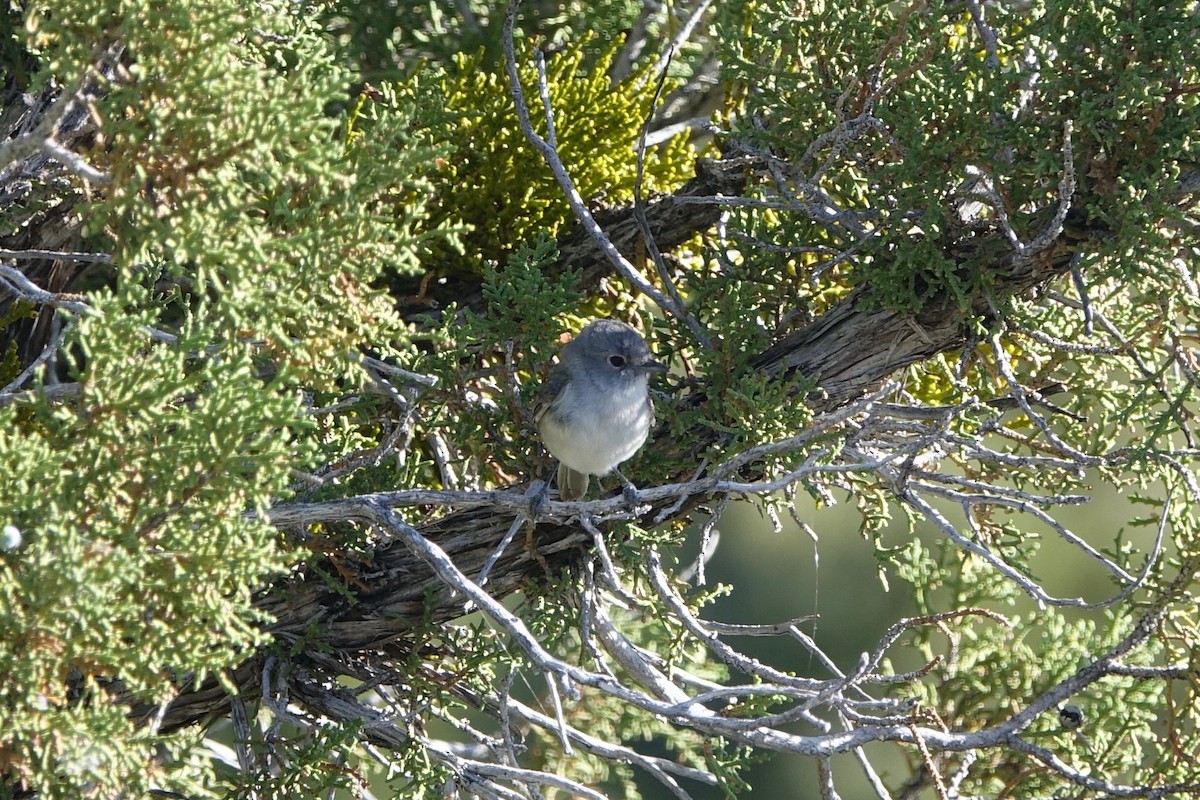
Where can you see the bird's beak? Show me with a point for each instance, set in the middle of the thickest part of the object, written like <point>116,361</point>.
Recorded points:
<point>650,365</point>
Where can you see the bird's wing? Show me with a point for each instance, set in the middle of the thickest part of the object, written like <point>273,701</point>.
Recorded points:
<point>549,391</point>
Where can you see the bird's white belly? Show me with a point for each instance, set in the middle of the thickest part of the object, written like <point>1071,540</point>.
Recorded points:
<point>600,436</point>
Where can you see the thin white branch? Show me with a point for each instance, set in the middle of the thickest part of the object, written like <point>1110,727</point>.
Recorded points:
<point>662,769</point>
<point>708,542</point>
<point>547,108</point>
<point>74,162</point>
<point>26,144</point>
<point>516,525</point>
<point>26,289</point>
<point>1080,777</point>
<point>563,737</point>
<point>1030,588</point>
<point>609,567</point>
<point>684,33</point>
<point>49,350</point>
<point>1027,507</point>
<point>873,778</point>
<point>1019,393</point>
<point>580,209</point>
<point>56,255</point>
<point>527,776</point>
<point>675,702</point>
<point>405,375</point>
<point>698,629</point>
<point>639,205</point>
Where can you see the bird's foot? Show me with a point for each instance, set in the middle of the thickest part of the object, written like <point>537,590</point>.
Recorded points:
<point>629,492</point>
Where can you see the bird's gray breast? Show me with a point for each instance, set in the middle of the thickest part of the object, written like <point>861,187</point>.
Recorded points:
<point>595,426</point>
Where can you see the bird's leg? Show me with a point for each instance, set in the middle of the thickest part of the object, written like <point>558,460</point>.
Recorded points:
<point>628,491</point>
<point>539,497</point>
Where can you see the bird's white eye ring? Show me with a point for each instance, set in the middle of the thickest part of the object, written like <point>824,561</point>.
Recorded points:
<point>617,361</point>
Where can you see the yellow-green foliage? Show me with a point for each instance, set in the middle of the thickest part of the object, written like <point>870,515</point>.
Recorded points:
<point>499,185</point>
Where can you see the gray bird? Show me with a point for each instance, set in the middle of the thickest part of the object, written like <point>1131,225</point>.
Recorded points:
<point>594,411</point>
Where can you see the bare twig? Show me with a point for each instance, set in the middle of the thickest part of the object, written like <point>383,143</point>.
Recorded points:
<point>986,33</point>
<point>49,350</point>
<point>582,213</point>
<point>22,287</point>
<point>56,255</point>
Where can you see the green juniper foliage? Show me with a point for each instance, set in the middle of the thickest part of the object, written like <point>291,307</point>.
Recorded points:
<point>1114,75</point>
<point>269,223</point>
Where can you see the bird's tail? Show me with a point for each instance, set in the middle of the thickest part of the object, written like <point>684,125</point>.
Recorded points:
<point>572,485</point>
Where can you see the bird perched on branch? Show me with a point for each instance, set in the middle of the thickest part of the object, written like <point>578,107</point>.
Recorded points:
<point>594,411</point>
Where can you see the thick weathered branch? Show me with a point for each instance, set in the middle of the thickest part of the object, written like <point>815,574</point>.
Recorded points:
<point>859,342</point>
<point>851,350</point>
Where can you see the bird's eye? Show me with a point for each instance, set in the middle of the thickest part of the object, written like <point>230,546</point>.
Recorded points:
<point>617,361</point>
